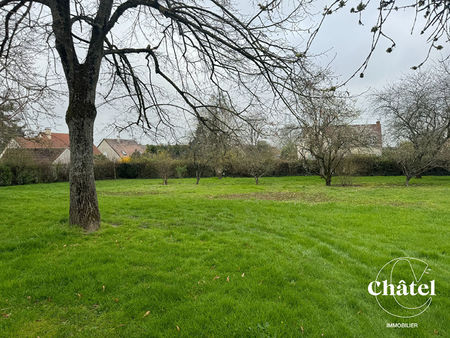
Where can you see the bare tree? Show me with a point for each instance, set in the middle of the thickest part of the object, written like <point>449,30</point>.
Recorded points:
<point>153,49</point>
<point>256,155</point>
<point>258,159</point>
<point>326,134</point>
<point>429,17</point>
<point>10,125</point>
<point>223,136</point>
<point>417,111</point>
<point>23,89</point>
<point>164,165</point>
<point>213,138</point>
<point>201,150</point>
<point>445,159</point>
<point>287,137</point>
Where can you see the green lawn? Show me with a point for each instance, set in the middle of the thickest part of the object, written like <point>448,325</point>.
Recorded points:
<point>298,257</point>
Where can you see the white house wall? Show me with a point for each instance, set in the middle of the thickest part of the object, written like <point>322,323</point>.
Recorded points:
<point>108,151</point>
<point>64,158</point>
<point>11,145</point>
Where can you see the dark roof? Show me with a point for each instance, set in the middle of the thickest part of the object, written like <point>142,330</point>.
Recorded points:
<point>32,155</point>
<point>125,147</point>
<point>374,129</point>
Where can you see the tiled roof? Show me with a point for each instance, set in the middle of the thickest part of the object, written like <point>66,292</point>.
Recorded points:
<point>374,129</point>
<point>57,140</point>
<point>34,155</point>
<point>125,147</point>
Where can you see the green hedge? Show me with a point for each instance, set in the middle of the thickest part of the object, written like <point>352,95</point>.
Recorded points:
<point>144,167</point>
<point>5,175</point>
<point>28,174</point>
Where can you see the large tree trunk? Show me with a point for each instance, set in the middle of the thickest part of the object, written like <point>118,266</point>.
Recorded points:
<point>328,180</point>
<point>83,196</point>
<point>82,82</point>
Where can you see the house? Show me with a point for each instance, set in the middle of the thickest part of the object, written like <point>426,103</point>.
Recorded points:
<point>45,147</point>
<point>371,133</point>
<point>116,149</point>
<point>37,155</point>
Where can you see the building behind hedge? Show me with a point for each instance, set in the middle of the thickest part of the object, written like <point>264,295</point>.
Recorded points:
<point>117,149</point>
<point>46,147</point>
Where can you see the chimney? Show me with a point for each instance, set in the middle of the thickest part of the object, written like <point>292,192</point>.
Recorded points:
<point>48,133</point>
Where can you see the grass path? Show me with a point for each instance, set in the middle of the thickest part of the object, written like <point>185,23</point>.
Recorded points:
<point>287,258</point>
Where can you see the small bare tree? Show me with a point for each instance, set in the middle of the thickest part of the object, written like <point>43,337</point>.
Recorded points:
<point>326,134</point>
<point>417,111</point>
<point>164,165</point>
<point>212,138</point>
<point>201,150</point>
<point>256,155</point>
<point>10,125</point>
<point>258,159</point>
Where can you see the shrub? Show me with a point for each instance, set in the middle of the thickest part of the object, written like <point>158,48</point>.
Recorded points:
<point>26,175</point>
<point>147,168</point>
<point>181,171</point>
<point>5,175</point>
<point>346,170</point>
<point>105,170</point>
<point>62,172</point>
<point>21,170</point>
<point>127,170</point>
<point>46,173</point>
<point>164,165</point>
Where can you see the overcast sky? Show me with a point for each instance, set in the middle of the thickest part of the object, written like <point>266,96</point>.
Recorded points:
<point>346,44</point>
<point>350,43</point>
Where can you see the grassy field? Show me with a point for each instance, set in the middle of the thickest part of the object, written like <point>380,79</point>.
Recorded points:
<point>289,257</point>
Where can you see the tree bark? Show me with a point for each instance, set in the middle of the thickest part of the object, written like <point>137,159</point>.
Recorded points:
<point>219,173</point>
<point>84,210</point>
<point>82,82</point>
<point>328,181</point>
<point>198,173</point>
<point>407,180</point>
<point>256,179</point>
<point>165,180</point>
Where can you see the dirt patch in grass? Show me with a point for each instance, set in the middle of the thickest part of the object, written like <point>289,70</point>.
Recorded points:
<point>131,193</point>
<point>278,196</point>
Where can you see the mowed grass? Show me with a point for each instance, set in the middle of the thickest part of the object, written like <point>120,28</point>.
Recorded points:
<point>286,258</point>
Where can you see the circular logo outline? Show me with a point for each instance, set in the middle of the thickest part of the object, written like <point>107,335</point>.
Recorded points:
<point>407,259</point>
